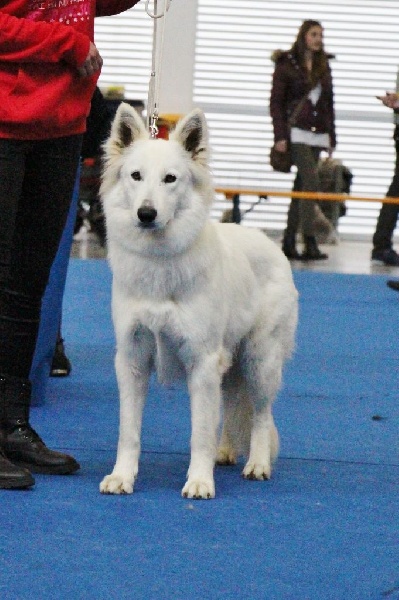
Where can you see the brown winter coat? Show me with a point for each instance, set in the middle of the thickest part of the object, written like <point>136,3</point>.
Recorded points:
<point>290,84</point>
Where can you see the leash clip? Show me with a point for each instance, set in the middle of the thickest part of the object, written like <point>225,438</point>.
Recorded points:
<point>155,15</point>
<point>153,124</point>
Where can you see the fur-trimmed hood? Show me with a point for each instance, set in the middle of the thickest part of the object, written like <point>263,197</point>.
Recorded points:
<point>278,54</point>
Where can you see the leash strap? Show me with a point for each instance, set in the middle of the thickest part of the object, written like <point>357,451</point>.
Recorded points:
<point>157,53</point>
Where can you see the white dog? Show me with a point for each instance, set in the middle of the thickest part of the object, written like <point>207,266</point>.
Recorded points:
<point>214,303</point>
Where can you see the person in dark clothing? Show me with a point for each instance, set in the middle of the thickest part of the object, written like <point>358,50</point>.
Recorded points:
<point>98,125</point>
<point>383,252</point>
<point>302,79</point>
<point>98,128</point>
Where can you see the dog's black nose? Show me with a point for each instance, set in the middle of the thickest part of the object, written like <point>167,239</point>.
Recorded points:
<point>147,214</point>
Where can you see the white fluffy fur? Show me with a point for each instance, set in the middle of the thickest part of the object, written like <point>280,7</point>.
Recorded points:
<point>213,302</point>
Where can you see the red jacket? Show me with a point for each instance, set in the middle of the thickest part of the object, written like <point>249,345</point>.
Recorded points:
<point>289,86</point>
<point>42,44</point>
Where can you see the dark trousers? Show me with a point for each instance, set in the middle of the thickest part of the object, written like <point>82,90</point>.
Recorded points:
<point>36,186</point>
<point>301,213</point>
<point>382,238</point>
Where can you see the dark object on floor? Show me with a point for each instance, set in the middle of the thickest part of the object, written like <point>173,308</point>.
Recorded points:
<point>393,284</point>
<point>378,418</point>
<point>61,365</point>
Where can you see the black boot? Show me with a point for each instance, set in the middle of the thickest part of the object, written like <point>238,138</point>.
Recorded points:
<point>22,445</point>
<point>312,251</point>
<point>61,365</point>
<point>11,476</point>
<point>289,246</point>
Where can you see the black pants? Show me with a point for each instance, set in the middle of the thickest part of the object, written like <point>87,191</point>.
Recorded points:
<point>382,238</point>
<point>36,186</point>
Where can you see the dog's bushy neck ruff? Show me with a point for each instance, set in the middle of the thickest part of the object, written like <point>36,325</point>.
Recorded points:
<point>165,277</point>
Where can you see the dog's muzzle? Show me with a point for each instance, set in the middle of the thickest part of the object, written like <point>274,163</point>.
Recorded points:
<point>146,215</point>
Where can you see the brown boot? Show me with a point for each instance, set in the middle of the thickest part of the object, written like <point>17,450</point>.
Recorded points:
<point>22,445</point>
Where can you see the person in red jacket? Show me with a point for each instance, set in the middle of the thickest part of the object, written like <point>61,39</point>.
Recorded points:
<point>49,66</point>
<point>302,87</point>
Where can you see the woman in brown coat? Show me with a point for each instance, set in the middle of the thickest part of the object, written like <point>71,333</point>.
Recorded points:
<point>302,78</point>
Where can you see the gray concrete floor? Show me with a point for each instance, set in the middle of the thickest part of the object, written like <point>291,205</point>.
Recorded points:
<point>348,257</point>
<point>345,257</point>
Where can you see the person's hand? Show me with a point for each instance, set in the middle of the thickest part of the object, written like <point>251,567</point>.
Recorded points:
<point>391,99</point>
<point>281,146</point>
<point>93,62</point>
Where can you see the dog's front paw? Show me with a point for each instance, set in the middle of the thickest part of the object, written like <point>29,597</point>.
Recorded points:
<point>116,484</point>
<point>198,490</point>
<point>257,471</point>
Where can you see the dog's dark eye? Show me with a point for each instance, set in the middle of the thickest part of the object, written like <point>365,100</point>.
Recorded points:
<point>169,178</point>
<point>136,176</point>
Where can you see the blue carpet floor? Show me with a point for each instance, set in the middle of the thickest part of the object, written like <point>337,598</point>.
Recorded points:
<point>325,527</point>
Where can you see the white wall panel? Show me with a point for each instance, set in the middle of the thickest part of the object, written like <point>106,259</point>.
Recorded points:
<point>233,73</point>
<point>232,77</point>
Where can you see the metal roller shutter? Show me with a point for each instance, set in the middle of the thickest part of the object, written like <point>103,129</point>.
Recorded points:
<point>232,78</point>
<point>233,73</point>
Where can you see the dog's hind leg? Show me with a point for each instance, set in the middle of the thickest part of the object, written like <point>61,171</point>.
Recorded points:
<point>133,388</point>
<point>264,445</point>
<point>263,380</point>
<point>226,453</point>
<point>204,386</point>
<point>237,419</point>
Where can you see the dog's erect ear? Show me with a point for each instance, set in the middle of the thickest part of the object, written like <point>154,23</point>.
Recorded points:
<point>192,133</point>
<point>127,126</point>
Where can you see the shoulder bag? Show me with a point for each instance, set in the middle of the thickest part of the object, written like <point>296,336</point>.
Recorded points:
<point>282,161</point>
